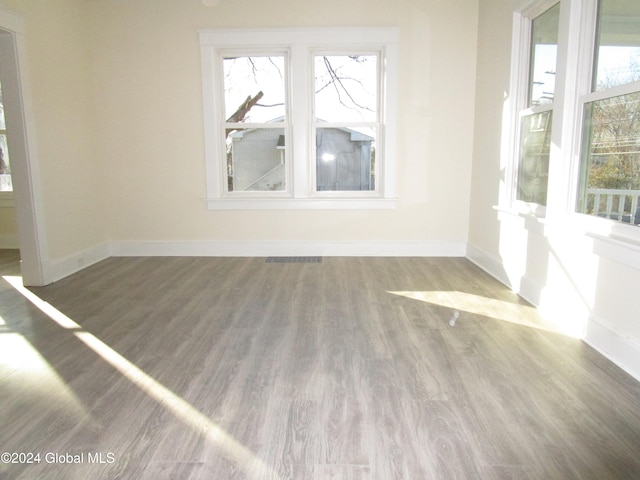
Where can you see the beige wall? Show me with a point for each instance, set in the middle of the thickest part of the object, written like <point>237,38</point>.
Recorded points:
<point>118,115</point>
<point>492,90</point>
<point>57,48</point>
<point>8,228</point>
<point>148,111</point>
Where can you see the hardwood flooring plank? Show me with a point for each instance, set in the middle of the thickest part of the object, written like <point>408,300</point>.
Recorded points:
<point>291,438</point>
<point>234,368</point>
<point>436,432</point>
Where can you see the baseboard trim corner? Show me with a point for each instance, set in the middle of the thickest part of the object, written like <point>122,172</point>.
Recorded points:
<point>61,268</point>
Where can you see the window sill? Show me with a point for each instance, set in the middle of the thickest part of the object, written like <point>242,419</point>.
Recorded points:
<point>301,204</point>
<point>531,220</point>
<point>621,250</point>
<point>611,240</point>
<point>617,242</point>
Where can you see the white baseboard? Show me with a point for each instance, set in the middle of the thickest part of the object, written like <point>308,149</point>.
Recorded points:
<point>58,269</point>
<point>617,347</point>
<point>489,264</point>
<point>531,290</point>
<point>291,248</point>
<point>9,240</point>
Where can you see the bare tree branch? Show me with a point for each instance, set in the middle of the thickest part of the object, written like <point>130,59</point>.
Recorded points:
<point>276,67</point>
<point>243,109</point>
<point>337,81</point>
<point>264,105</point>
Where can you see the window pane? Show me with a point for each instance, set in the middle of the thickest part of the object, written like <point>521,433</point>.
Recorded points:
<point>345,159</point>
<point>533,167</point>
<point>610,184</point>
<point>544,47</point>
<point>617,43</point>
<point>346,88</point>
<point>5,167</point>
<point>3,126</point>
<point>254,89</point>
<point>256,160</point>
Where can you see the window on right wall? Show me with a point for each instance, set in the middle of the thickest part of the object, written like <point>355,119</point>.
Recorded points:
<point>536,113</point>
<point>609,180</point>
<point>5,168</point>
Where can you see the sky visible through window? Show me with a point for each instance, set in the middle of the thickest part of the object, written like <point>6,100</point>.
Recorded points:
<point>617,65</point>
<point>345,87</point>
<point>245,77</point>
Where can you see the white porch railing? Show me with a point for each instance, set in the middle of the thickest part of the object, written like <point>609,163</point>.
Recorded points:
<point>621,205</point>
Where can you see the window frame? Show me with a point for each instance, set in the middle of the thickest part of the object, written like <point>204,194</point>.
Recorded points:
<point>521,76</point>
<point>576,40</point>
<point>220,140</point>
<point>6,196</point>
<point>588,92</point>
<point>300,45</point>
<point>376,124</point>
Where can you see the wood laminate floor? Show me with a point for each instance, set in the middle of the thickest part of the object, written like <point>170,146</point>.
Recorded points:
<point>348,368</point>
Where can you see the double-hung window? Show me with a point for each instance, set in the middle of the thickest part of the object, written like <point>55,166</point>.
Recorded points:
<point>576,64</point>
<point>346,121</point>
<point>300,118</point>
<point>256,124</point>
<point>609,180</point>
<point>536,79</point>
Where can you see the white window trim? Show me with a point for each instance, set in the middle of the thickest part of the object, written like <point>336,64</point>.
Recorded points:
<point>576,36</point>
<point>583,18</point>
<point>285,125</point>
<point>375,124</point>
<point>517,109</point>
<point>300,45</point>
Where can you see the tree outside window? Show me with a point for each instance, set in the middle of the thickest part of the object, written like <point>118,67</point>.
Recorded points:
<point>536,117</point>
<point>610,168</point>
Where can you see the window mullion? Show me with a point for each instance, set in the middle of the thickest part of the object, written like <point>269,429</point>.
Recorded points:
<point>616,91</point>
<point>230,146</point>
<point>300,112</point>
<point>578,79</point>
<point>535,96</point>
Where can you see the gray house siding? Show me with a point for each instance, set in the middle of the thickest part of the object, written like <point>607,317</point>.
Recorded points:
<point>343,160</point>
<point>257,162</point>
<point>349,166</point>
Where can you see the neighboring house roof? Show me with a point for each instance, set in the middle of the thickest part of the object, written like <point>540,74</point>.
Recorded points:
<point>355,135</point>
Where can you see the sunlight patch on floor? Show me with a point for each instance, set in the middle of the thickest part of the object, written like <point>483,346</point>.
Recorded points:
<point>180,408</point>
<point>45,307</point>
<point>23,369</point>
<point>521,314</point>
